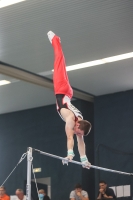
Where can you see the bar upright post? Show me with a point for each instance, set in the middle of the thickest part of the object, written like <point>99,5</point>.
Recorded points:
<point>29,161</point>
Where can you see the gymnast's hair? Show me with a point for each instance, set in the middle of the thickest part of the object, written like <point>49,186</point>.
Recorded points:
<point>85,126</point>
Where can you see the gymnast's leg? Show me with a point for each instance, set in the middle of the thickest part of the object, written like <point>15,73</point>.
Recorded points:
<point>60,77</point>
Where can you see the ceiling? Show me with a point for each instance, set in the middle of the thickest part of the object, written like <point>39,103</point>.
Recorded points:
<point>89,30</point>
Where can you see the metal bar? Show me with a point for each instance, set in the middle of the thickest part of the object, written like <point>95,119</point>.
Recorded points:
<point>79,163</point>
<point>29,161</point>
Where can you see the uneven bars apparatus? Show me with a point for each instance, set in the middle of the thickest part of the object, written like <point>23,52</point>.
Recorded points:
<point>29,162</point>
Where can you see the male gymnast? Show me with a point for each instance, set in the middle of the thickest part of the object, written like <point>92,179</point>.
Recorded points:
<point>74,123</point>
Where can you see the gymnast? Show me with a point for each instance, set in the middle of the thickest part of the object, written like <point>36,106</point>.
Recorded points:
<point>74,123</point>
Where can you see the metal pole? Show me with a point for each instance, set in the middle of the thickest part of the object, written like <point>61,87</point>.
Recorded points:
<point>29,161</point>
<point>79,163</point>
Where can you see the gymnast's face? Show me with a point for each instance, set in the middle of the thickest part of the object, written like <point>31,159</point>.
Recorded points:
<point>77,130</point>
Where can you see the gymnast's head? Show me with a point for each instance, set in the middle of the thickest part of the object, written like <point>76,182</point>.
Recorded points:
<point>82,127</point>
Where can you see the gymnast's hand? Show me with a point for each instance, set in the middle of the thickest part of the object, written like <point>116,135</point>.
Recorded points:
<point>70,157</point>
<point>86,164</point>
<point>67,159</point>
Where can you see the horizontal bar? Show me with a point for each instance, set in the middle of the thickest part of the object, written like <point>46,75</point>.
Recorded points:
<point>79,163</point>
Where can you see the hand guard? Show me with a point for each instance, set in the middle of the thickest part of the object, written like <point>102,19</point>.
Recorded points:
<point>70,155</point>
<point>85,162</point>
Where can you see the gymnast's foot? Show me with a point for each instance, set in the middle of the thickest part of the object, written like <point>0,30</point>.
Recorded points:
<point>50,35</point>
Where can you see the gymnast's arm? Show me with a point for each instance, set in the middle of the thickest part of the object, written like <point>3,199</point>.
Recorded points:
<point>82,152</point>
<point>69,132</point>
<point>81,145</point>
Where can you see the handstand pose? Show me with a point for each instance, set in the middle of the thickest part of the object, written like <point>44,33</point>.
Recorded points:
<point>71,115</point>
